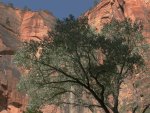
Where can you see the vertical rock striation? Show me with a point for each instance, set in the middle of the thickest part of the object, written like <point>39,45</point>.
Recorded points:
<point>136,10</point>
<point>17,25</point>
<point>135,90</point>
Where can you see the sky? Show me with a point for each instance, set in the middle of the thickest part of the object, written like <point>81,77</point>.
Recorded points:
<point>59,8</point>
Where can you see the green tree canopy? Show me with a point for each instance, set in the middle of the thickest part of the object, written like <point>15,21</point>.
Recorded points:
<point>77,61</point>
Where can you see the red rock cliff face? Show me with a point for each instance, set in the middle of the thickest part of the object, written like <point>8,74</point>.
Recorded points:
<point>16,26</point>
<point>135,89</point>
<point>119,9</point>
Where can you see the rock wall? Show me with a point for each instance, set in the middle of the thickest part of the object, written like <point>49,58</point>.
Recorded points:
<point>22,25</point>
<point>103,13</point>
<point>135,89</point>
<point>17,25</point>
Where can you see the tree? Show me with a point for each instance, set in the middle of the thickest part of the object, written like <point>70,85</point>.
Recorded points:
<point>32,111</point>
<point>10,5</point>
<point>8,21</point>
<point>26,8</point>
<point>78,61</point>
<point>96,2</point>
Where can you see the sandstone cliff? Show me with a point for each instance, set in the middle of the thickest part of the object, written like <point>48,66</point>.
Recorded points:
<point>103,13</point>
<point>17,25</point>
<point>135,89</point>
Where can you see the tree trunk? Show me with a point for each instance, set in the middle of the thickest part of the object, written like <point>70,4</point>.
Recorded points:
<point>105,108</point>
<point>115,110</point>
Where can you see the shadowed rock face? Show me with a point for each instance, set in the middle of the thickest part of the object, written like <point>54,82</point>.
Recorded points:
<point>17,26</point>
<point>135,89</point>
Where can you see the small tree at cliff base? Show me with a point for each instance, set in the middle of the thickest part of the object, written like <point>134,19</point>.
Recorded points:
<point>80,62</point>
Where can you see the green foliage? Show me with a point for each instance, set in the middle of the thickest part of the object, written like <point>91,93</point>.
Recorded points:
<point>96,2</point>
<point>137,84</point>
<point>10,5</point>
<point>147,111</point>
<point>26,8</point>
<point>71,62</point>
<point>32,111</point>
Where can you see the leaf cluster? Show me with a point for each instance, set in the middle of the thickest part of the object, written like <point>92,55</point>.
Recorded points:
<point>78,58</point>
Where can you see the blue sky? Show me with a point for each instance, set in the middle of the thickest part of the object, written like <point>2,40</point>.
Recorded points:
<point>60,8</point>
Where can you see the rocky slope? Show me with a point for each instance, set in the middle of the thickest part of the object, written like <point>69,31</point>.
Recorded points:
<point>135,89</point>
<point>17,25</point>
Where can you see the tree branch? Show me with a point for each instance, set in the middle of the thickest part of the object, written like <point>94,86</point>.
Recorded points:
<point>146,107</point>
<point>82,68</point>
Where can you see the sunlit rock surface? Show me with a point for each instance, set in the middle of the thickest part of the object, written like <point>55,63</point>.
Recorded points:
<point>19,25</point>
<point>135,89</point>
<point>16,26</point>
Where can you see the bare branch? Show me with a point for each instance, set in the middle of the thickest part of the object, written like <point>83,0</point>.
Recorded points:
<point>146,107</point>
<point>81,66</point>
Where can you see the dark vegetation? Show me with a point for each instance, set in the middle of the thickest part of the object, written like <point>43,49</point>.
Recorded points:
<point>77,61</point>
